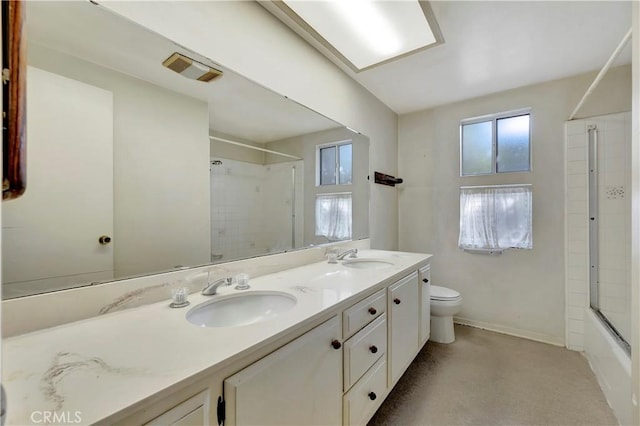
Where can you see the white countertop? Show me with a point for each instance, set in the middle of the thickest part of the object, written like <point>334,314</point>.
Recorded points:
<point>105,364</point>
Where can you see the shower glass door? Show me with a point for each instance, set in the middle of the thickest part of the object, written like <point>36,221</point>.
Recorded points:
<point>609,223</point>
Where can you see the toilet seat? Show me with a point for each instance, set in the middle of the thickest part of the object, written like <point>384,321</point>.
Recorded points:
<point>444,294</point>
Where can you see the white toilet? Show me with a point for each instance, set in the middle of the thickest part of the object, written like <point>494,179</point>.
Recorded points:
<point>445,303</point>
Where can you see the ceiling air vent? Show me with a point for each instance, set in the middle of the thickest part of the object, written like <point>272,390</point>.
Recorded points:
<point>191,69</point>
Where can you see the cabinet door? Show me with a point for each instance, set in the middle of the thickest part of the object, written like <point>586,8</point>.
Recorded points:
<point>299,384</point>
<point>404,325</point>
<point>425,304</point>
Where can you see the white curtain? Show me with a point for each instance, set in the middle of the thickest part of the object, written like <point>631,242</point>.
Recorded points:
<point>496,217</point>
<point>333,216</point>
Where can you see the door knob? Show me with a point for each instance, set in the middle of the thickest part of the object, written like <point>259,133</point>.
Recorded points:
<point>104,239</point>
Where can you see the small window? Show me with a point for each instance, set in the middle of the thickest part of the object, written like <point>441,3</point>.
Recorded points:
<point>335,164</point>
<point>496,217</point>
<point>498,143</point>
<point>333,216</point>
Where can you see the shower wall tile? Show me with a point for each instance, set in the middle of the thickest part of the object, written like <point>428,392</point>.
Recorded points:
<point>576,341</point>
<point>576,127</point>
<point>260,221</point>
<point>577,154</point>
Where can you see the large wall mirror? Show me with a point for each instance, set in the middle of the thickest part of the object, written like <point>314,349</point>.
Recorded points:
<point>136,169</point>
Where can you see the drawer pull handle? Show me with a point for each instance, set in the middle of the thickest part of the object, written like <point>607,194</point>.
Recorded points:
<point>372,396</point>
<point>425,280</point>
<point>373,311</point>
<point>373,349</point>
<point>336,344</point>
<point>396,301</point>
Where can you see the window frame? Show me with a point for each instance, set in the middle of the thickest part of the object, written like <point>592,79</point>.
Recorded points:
<point>493,118</point>
<point>337,145</point>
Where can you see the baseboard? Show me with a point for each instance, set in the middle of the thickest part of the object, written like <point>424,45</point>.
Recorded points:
<point>525,334</point>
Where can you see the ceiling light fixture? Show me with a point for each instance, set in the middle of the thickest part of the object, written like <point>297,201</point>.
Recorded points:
<point>362,33</point>
<point>189,68</point>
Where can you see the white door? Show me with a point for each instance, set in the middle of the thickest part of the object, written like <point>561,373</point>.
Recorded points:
<point>50,235</point>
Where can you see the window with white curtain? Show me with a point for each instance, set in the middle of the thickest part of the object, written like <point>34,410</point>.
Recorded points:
<point>333,216</point>
<point>496,217</point>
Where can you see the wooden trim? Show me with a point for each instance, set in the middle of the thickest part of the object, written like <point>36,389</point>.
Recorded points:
<point>14,60</point>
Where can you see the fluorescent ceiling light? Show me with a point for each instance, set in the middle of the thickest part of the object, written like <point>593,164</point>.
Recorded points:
<point>365,33</point>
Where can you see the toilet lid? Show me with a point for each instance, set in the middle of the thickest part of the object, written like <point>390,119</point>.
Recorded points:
<point>443,293</point>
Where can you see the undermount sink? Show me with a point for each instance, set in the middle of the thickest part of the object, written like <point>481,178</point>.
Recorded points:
<point>241,309</point>
<point>366,263</point>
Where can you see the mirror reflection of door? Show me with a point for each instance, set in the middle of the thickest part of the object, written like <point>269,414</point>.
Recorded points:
<point>51,234</point>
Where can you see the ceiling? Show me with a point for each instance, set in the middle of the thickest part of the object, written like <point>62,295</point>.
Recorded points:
<point>492,46</point>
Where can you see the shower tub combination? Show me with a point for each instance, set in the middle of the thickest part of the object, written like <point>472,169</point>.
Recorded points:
<point>598,251</point>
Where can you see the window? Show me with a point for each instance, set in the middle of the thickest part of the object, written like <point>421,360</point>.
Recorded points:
<point>496,217</point>
<point>334,164</point>
<point>333,216</point>
<point>498,143</point>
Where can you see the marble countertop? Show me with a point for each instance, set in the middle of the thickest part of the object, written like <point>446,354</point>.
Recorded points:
<point>102,365</point>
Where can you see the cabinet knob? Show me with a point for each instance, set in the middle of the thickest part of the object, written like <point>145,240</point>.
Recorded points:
<point>372,396</point>
<point>373,311</point>
<point>336,344</point>
<point>104,239</point>
<point>397,301</point>
<point>425,280</point>
<point>373,349</point>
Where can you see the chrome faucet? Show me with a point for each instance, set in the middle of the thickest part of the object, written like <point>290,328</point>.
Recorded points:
<point>353,252</point>
<point>211,288</point>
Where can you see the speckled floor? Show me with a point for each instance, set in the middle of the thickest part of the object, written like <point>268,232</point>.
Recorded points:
<point>487,378</point>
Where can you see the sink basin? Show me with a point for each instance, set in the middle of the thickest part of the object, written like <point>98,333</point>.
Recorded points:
<point>241,309</point>
<point>366,263</point>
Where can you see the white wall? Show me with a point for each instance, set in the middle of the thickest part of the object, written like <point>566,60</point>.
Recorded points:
<point>275,57</point>
<point>160,141</point>
<point>520,292</point>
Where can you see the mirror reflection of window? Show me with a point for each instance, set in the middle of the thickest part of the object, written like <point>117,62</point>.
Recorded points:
<point>335,164</point>
<point>333,216</point>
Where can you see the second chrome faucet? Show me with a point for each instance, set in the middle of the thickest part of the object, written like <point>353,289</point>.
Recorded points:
<point>211,288</point>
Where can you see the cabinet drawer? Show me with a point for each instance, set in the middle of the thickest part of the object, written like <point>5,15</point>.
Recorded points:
<point>364,349</point>
<point>363,312</point>
<point>365,397</point>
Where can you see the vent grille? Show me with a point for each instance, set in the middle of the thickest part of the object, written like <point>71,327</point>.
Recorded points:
<point>190,68</point>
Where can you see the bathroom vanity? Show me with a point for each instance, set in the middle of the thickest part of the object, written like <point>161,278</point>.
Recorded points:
<point>332,358</point>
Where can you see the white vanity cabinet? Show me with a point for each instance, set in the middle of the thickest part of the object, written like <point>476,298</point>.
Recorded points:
<point>403,325</point>
<point>424,275</point>
<point>338,372</point>
<point>298,384</point>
